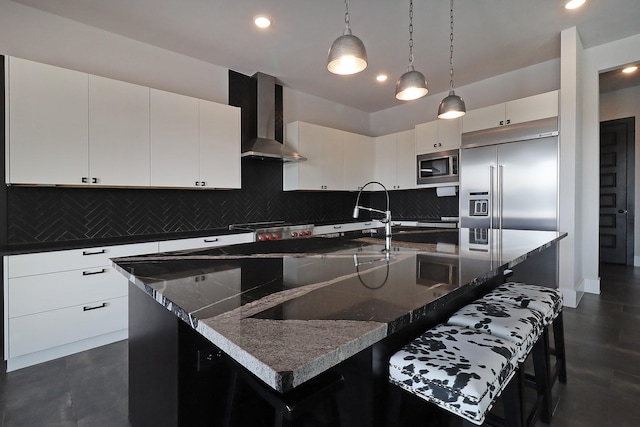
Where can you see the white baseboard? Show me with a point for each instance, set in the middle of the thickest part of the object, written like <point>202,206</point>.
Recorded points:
<point>31,359</point>
<point>571,297</point>
<point>636,261</point>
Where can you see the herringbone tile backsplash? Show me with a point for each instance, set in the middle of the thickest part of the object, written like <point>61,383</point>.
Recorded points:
<point>45,215</point>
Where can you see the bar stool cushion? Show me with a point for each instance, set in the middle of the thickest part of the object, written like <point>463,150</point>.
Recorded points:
<point>507,321</point>
<point>459,369</point>
<point>547,301</point>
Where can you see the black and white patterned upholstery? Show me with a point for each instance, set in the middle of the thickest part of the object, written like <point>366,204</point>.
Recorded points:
<point>521,326</point>
<point>459,369</point>
<point>547,301</point>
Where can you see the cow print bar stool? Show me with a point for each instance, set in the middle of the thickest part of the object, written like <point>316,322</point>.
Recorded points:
<point>461,370</point>
<point>521,326</point>
<point>546,301</point>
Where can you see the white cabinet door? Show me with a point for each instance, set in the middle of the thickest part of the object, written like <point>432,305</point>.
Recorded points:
<point>119,150</point>
<point>406,160</point>
<point>174,140</point>
<point>532,108</point>
<point>358,160</point>
<point>438,135</point>
<point>483,118</point>
<point>48,124</point>
<point>323,148</point>
<point>427,137</point>
<point>395,160</point>
<point>449,134</point>
<point>332,159</point>
<point>385,164</point>
<point>521,110</point>
<point>219,145</point>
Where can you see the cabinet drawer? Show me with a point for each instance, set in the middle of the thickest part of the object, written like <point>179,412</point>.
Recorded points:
<point>74,259</point>
<point>44,292</point>
<point>28,334</point>
<point>205,242</point>
<point>351,226</point>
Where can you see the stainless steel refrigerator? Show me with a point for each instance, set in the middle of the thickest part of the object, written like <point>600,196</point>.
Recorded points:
<point>509,180</point>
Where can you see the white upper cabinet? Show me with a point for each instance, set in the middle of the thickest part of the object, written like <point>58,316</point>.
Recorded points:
<point>48,124</point>
<point>358,160</point>
<point>119,152</point>
<point>71,128</point>
<point>521,110</point>
<point>194,143</point>
<point>438,135</point>
<point>324,149</point>
<point>395,160</point>
<point>174,140</point>
<point>219,145</point>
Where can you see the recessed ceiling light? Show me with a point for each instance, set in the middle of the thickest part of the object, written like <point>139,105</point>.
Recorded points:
<point>630,69</point>
<point>262,21</point>
<point>382,77</point>
<point>574,4</point>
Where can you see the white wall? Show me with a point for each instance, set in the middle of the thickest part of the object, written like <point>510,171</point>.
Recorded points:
<point>32,34</point>
<point>618,105</point>
<point>596,59</point>
<point>300,106</point>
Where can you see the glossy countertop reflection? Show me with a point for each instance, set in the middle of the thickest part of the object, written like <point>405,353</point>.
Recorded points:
<point>288,310</point>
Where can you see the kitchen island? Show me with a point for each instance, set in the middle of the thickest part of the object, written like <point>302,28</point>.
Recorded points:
<point>287,311</point>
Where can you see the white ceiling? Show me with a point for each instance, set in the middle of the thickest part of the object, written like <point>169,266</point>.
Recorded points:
<point>491,37</point>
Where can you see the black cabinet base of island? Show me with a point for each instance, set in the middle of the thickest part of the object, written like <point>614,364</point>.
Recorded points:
<point>176,377</point>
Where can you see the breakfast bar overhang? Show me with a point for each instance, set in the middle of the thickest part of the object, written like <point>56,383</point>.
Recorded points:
<point>287,311</point>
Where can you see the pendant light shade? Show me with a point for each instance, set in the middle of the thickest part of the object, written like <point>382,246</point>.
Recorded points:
<point>347,54</point>
<point>452,106</point>
<point>412,84</point>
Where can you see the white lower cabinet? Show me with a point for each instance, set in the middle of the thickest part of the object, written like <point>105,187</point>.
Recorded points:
<point>51,329</point>
<point>61,302</point>
<point>205,242</point>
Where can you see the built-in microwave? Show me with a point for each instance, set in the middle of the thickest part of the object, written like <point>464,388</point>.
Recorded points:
<point>440,167</point>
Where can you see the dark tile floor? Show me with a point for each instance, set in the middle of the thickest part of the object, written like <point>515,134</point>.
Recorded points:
<point>602,338</point>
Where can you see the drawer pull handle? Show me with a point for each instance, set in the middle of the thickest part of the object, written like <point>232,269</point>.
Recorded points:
<point>367,223</point>
<point>89,308</point>
<point>91,273</point>
<point>337,227</point>
<point>215,239</point>
<point>103,251</point>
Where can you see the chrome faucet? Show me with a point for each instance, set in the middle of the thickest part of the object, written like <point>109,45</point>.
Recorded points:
<point>387,214</point>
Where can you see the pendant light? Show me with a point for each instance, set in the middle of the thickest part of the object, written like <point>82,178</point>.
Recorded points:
<point>452,106</point>
<point>347,54</point>
<point>412,84</point>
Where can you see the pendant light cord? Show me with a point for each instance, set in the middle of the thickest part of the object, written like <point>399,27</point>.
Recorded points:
<point>347,29</point>
<point>410,33</point>
<point>451,49</point>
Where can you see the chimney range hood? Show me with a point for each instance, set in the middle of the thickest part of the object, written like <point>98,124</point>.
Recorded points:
<point>265,145</point>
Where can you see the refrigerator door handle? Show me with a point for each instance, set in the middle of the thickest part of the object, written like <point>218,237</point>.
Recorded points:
<point>500,179</point>
<point>491,192</point>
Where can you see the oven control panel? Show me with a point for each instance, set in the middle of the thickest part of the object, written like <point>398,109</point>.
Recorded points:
<point>284,232</point>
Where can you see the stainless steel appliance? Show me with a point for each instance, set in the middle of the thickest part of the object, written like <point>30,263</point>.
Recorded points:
<point>275,230</point>
<point>440,167</point>
<point>265,146</point>
<point>509,180</point>
<point>512,184</point>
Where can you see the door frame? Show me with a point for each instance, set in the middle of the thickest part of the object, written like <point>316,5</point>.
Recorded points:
<point>630,125</point>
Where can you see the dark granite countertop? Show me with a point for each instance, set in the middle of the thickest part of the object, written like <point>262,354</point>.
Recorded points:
<point>289,310</point>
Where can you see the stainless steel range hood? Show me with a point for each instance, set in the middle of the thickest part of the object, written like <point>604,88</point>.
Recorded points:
<point>265,145</point>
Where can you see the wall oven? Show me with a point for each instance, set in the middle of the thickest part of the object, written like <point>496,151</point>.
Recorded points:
<point>436,168</point>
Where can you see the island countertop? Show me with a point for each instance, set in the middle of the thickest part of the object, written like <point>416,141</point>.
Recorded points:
<point>289,310</point>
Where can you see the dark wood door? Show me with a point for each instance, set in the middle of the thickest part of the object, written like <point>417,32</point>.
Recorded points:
<point>616,191</point>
